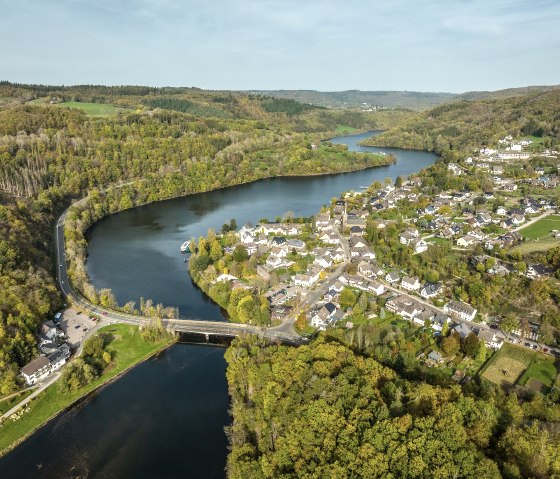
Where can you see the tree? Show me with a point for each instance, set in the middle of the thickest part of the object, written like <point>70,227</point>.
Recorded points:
<point>398,181</point>
<point>471,345</point>
<point>509,323</point>
<point>347,298</point>
<point>240,253</point>
<point>451,344</point>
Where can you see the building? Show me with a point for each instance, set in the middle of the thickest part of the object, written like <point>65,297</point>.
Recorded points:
<point>430,290</point>
<point>41,367</point>
<point>410,283</point>
<point>490,338</point>
<point>460,310</point>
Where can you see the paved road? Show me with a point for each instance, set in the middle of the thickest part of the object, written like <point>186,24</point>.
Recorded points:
<point>41,387</point>
<point>180,325</point>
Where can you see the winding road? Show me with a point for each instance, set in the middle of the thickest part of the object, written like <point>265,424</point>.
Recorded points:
<point>283,333</point>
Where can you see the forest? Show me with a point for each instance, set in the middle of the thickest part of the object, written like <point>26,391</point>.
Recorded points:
<point>325,410</point>
<point>457,129</point>
<point>51,155</point>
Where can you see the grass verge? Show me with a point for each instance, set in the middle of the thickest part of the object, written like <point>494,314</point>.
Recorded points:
<point>127,348</point>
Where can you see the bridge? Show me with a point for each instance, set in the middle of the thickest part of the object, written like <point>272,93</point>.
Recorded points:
<point>282,333</point>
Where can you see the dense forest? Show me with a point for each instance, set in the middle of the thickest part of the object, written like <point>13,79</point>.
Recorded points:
<point>456,129</point>
<point>326,411</point>
<point>51,155</point>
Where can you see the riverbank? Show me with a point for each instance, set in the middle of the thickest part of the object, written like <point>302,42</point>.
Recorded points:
<point>87,212</point>
<point>127,348</point>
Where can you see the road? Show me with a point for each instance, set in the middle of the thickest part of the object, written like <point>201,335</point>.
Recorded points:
<point>180,325</point>
<point>42,386</point>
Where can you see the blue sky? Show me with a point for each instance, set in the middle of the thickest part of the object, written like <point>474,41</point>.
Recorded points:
<point>423,45</point>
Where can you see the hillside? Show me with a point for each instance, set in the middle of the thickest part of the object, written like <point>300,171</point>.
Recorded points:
<point>364,99</point>
<point>459,128</point>
<point>162,144</point>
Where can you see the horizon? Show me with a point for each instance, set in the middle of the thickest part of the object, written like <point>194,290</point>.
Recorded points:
<point>273,45</point>
<point>265,90</point>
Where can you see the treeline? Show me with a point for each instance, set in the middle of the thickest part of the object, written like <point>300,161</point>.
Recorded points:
<point>245,303</point>
<point>50,156</point>
<point>456,129</point>
<point>323,410</point>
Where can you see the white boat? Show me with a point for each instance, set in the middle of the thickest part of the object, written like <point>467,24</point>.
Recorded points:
<point>185,247</point>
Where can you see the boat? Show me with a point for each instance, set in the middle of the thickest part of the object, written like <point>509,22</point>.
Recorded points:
<point>185,247</point>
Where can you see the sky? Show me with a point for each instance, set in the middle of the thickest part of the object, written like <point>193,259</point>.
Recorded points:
<point>414,45</point>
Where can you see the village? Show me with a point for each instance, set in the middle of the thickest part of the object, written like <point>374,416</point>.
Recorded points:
<point>317,270</point>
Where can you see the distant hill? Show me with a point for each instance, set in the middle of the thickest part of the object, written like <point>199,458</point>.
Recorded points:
<point>460,127</point>
<point>364,99</point>
<point>413,100</point>
<point>508,93</point>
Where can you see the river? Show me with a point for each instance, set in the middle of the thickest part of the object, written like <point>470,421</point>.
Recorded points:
<point>165,418</point>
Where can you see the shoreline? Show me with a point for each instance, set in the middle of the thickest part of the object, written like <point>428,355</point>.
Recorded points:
<point>83,397</point>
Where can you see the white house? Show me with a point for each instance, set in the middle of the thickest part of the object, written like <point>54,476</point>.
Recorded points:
<point>41,367</point>
<point>460,310</point>
<point>491,339</point>
<point>376,288</point>
<point>410,283</point>
<point>392,277</point>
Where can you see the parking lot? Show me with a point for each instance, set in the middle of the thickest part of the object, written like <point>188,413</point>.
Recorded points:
<point>75,326</point>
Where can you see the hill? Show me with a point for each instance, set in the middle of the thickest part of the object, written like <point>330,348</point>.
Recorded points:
<point>362,99</point>
<point>458,128</point>
<point>394,99</point>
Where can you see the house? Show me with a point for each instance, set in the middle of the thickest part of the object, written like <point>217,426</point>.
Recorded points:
<point>517,219</point>
<point>323,315</point>
<point>455,169</point>
<point>365,269</point>
<point>439,321</point>
<point>376,288</point>
<point>501,211</point>
<point>322,221</point>
<point>466,241</point>
<point>462,330</point>
<point>426,315</point>
<point>357,230</point>
<point>41,367</point>
<point>308,279</point>
<point>392,277</point>
<point>419,245</point>
<point>490,338</point>
<point>410,283</point>
<point>408,235</point>
<point>409,311</point>
<point>377,271</point>
<point>435,357</point>
<point>460,310</point>
<point>430,290</point>
<point>536,270</point>
<point>296,244</point>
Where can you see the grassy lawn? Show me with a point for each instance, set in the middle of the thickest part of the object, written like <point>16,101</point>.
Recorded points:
<point>541,369</point>
<point>90,109</point>
<point>516,365</point>
<point>7,404</point>
<point>94,109</point>
<point>537,245</point>
<point>541,228</point>
<point>343,129</point>
<point>127,348</point>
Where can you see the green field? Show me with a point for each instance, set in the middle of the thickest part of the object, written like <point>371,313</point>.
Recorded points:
<point>537,245</point>
<point>90,109</point>
<point>127,347</point>
<point>94,109</point>
<point>513,365</point>
<point>345,129</point>
<point>541,228</point>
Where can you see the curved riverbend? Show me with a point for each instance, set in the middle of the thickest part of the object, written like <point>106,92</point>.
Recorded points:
<point>135,252</point>
<point>165,417</point>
